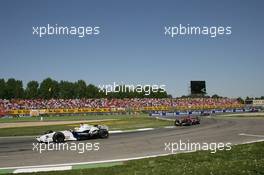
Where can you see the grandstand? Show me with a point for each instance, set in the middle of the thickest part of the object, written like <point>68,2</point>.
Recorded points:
<point>54,106</point>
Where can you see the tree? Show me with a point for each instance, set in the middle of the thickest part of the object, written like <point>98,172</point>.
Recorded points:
<point>215,96</point>
<point>2,89</point>
<point>249,98</point>
<point>49,88</point>
<point>80,89</point>
<point>31,91</point>
<point>67,90</point>
<point>159,94</point>
<point>92,91</point>
<point>14,89</point>
<point>169,96</point>
<point>240,100</point>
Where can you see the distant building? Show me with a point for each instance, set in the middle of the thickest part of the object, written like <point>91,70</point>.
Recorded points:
<point>258,103</point>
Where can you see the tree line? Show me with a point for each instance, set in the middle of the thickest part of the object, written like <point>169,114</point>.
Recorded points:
<point>50,88</point>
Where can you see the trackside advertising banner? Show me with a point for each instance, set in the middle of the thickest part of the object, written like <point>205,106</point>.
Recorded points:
<point>36,112</point>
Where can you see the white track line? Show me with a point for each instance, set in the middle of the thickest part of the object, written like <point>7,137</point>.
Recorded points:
<point>132,130</point>
<point>116,131</point>
<point>160,118</point>
<point>145,129</point>
<point>31,170</point>
<point>250,135</point>
<point>254,141</point>
<point>169,127</point>
<point>15,137</point>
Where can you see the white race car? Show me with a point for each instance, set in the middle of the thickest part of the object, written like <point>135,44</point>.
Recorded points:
<point>84,132</point>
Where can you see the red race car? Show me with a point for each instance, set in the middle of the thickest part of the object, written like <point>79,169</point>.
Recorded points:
<point>187,121</point>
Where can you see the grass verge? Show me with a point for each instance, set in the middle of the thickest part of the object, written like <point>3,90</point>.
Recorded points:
<point>240,116</point>
<point>241,159</point>
<point>64,118</point>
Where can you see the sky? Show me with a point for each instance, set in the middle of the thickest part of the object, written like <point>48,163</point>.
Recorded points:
<point>132,48</point>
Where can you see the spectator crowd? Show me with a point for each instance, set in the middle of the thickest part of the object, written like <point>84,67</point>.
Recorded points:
<point>16,104</point>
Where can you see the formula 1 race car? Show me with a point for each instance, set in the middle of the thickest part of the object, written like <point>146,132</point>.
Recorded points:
<point>187,121</point>
<point>254,110</point>
<point>205,114</point>
<point>84,132</point>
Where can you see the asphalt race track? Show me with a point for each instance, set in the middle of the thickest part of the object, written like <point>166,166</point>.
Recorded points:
<point>16,152</point>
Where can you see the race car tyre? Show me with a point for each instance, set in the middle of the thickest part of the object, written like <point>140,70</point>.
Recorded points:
<point>103,133</point>
<point>188,123</point>
<point>58,137</point>
<point>178,123</point>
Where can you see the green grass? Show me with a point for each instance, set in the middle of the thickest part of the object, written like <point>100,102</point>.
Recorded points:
<point>240,117</point>
<point>124,123</point>
<point>63,118</point>
<point>241,159</point>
